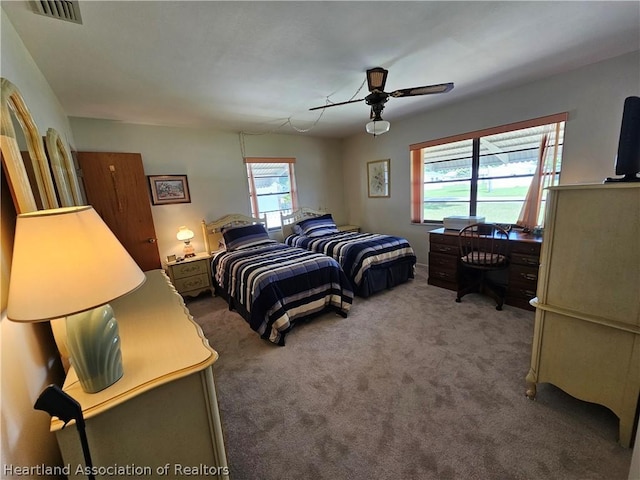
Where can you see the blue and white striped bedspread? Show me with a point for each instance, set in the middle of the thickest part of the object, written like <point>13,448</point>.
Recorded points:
<point>277,285</point>
<point>357,252</point>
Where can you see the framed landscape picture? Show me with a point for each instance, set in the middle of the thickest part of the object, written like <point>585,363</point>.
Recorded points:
<point>378,178</point>
<point>166,189</point>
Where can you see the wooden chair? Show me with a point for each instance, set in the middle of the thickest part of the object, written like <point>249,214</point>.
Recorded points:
<point>484,248</point>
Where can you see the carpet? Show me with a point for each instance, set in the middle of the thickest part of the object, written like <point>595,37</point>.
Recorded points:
<point>410,386</point>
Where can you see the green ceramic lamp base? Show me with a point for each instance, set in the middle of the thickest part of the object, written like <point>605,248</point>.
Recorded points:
<point>94,348</point>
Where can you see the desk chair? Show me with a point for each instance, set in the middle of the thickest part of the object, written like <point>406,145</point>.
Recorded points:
<point>483,249</point>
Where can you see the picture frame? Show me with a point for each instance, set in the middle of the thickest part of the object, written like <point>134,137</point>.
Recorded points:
<point>379,178</point>
<point>168,189</point>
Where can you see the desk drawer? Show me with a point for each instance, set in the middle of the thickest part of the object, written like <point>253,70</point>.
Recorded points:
<point>451,250</point>
<point>439,261</point>
<point>526,248</point>
<point>522,275</point>
<point>443,270</point>
<point>524,259</point>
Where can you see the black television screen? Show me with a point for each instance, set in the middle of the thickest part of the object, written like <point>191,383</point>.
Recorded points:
<point>628,158</point>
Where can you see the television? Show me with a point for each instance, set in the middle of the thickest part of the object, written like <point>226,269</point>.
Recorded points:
<point>628,158</point>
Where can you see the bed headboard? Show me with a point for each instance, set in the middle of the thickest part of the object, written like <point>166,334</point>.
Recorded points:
<point>212,231</point>
<point>287,221</point>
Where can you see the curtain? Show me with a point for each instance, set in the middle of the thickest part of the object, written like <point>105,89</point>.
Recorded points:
<point>544,177</point>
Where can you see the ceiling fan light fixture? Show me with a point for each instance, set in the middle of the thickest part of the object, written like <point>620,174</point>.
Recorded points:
<point>376,78</point>
<point>378,127</point>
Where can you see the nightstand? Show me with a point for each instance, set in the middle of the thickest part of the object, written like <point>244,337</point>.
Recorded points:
<point>192,275</point>
<point>349,228</point>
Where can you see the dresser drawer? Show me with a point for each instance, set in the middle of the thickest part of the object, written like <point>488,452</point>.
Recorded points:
<point>189,269</point>
<point>192,283</point>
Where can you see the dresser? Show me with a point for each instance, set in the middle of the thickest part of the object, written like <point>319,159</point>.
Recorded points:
<point>191,276</point>
<point>162,416</point>
<point>524,259</point>
<point>586,337</point>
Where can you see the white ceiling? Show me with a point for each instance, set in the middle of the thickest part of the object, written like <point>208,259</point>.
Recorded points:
<point>254,66</point>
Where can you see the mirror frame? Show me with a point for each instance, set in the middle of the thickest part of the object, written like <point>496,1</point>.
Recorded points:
<point>56,158</point>
<point>64,170</point>
<point>11,101</point>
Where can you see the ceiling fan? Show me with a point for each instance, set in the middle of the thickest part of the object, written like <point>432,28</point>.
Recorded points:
<point>376,79</point>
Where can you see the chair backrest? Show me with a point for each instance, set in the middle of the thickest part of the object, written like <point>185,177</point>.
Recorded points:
<point>484,245</point>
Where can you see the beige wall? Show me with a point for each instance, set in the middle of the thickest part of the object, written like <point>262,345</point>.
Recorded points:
<point>593,96</point>
<point>213,163</point>
<point>29,361</point>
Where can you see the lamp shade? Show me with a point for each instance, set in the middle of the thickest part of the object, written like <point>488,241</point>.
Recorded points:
<point>378,127</point>
<point>184,234</point>
<point>66,261</point>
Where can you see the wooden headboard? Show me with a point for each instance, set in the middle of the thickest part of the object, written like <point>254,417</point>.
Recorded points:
<point>287,221</point>
<point>212,231</point>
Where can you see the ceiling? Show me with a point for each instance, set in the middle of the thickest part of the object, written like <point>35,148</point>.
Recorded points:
<point>260,66</point>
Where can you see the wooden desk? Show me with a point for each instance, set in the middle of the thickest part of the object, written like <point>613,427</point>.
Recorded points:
<point>164,410</point>
<point>524,253</point>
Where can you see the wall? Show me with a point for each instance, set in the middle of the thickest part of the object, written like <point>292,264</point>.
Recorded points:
<point>593,96</point>
<point>29,359</point>
<point>213,163</point>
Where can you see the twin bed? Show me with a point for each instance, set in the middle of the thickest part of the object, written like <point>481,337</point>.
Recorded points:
<point>273,285</point>
<point>373,262</point>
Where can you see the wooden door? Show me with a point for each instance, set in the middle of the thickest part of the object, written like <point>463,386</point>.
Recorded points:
<point>116,187</point>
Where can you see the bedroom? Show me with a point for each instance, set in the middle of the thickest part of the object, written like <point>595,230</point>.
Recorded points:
<point>592,94</point>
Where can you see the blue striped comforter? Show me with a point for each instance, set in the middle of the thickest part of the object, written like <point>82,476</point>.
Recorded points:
<point>275,285</point>
<point>357,253</point>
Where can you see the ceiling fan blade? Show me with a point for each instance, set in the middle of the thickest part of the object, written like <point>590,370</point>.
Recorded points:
<point>426,90</point>
<point>336,104</point>
<point>376,78</point>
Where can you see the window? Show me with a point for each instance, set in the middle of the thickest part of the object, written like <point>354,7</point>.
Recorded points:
<point>486,173</point>
<point>272,187</point>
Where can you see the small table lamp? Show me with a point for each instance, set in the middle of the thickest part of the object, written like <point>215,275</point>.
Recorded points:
<point>67,263</point>
<point>185,235</point>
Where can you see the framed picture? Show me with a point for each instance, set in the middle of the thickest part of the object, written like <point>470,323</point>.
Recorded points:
<point>166,189</point>
<point>378,178</point>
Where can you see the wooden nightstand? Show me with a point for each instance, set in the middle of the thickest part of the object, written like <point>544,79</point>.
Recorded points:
<point>349,228</point>
<point>191,276</point>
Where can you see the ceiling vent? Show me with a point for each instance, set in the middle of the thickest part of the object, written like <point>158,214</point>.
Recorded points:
<point>68,10</point>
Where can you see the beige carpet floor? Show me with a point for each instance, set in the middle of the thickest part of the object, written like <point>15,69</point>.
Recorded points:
<point>410,386</point>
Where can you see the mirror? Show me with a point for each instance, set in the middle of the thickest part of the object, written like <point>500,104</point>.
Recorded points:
<point>63,169</point>
<point>12,103</point>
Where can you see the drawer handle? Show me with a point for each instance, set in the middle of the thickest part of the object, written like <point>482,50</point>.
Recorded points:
<point>195,283</point>
<point>528,293</point>
<point>190,269</point>
<point>530,276</point>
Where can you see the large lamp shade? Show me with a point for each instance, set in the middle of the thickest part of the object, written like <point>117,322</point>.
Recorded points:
<point>66,261</point>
